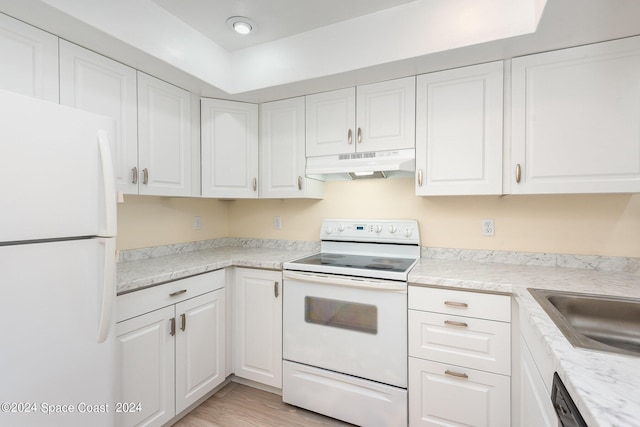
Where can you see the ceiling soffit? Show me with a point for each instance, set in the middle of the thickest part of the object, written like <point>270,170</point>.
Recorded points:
<point>413,29</point>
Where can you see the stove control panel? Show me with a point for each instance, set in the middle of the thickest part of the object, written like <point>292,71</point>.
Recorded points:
<point>383,231</point>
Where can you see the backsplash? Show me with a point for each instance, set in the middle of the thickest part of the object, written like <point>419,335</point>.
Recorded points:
<point>589,262</point>
<point>158,251</point>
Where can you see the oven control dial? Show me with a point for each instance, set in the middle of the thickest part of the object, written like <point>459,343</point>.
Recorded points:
<point>341,228</point>
<point>328,230</point>
<point>378,228</point>
<point>393,229</point>
<point>407,232</point>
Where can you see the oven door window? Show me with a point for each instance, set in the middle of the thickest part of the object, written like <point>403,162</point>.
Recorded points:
<point>341,314</point>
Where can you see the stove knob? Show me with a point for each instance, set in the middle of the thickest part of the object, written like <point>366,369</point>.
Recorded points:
<point>328,230</point>
<point>407,232</point>
<point>392,229</point>
<point>341,228</point>
<point>378,228</point>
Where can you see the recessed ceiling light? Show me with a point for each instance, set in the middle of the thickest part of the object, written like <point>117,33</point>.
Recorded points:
<point>241,24</point>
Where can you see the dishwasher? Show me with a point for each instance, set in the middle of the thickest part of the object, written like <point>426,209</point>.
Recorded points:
<point>568,414</point>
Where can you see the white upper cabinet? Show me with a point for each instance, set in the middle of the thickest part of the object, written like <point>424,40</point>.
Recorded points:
<point>379,116</point>
<point>100,85</point>
<point>459,131</point>
<point>282,151</point>
<point>576,120</point>
<point>229,149</point>
<point>331,122</point>
<point>30,64</point>
<point>386,115</point>
<point>164,138</point>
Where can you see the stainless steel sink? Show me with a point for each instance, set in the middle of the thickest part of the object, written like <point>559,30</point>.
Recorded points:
<point>594,322</point>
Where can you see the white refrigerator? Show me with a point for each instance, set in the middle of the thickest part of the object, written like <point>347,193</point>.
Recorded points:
<point>57,265</point>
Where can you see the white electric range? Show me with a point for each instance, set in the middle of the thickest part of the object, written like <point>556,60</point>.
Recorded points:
<point>345,322</point>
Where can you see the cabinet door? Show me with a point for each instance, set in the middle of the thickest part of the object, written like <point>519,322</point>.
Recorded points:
<point>164,138</point>
<point>459,131</point>
<point>258,326</point>
<point>441,394</point>
<point>282,158</point>
<point>200,354</point>
<point>94,83</point>
<point>386,115</point>
<point>31,60</point>
<point>145,367</point>
<point>576,120</point>
<point>536,409</point>
<point>331,122</point>
<point>229,149</point>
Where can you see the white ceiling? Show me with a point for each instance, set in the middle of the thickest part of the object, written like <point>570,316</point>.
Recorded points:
<point>275,19</point>
<point>307,46</point>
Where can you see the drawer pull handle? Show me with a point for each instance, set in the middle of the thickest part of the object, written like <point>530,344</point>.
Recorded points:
<point>183,317</point>
<point>456,374</point>
<point>172,332</point>
<point>454,323</point>
<point>456,304</point>
<point>176,293</point>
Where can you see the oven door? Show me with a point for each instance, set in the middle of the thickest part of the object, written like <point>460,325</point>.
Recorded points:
<point>346,324</point>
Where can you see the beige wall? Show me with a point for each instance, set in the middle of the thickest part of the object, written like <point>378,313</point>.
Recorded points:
<point>153,221</point>
<point>576,224</point>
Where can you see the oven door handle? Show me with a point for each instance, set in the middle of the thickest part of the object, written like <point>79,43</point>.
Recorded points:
<point>373,284</point>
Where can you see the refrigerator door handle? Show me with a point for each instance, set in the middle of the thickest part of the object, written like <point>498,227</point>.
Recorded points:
<point>108,289</point>
<point>108,183</point>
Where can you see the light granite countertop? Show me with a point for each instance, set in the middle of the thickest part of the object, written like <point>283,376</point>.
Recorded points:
<point>142,273</point>
<point>605,387</point>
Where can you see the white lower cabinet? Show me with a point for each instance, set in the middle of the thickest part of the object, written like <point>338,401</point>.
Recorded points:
<point>459,358</point>
<point>258,326</point>
<point>173,355</point>
<point>448,395</point>
<point>536,409</point>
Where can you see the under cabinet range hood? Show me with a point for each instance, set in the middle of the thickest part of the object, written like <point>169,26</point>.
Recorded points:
<point>373,164</point>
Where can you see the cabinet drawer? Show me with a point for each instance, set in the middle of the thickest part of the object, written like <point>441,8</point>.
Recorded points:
<point>441,394</point>
<point>461,303</point>
<point>146,300</point>
<point>463,341</point>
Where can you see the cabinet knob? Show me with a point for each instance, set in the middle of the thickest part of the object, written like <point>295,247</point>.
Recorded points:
<point>359,135</point>
<point>134,173</point>
<point>419,177</point>
<point>145,176</point>
<point>350,136</point>
<point>518,173</point>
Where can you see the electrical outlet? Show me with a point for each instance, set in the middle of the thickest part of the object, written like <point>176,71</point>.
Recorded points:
<point>488,227</point>
<point>197,223</point>
<point>277,223</point>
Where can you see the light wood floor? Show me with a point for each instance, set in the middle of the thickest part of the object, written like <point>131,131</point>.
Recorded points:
<point>238,405</point>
